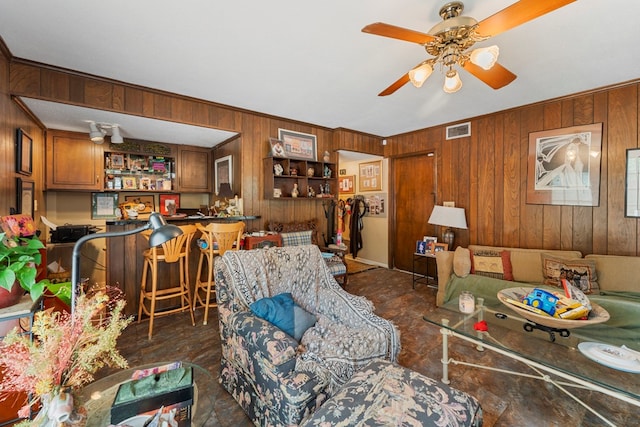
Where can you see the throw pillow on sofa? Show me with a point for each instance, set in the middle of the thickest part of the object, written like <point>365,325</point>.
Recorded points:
<point>462,262</point>
<point>282,312</point>
<point>580,272</point>
<point>296,238</point>
<point>495,264</point>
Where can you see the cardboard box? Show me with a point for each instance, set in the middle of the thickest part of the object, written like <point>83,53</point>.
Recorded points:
<point>172,389</point>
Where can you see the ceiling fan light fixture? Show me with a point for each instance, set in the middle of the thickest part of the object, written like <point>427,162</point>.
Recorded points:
<point>420,74</point>
<point>116,137</point>
<point>485,57</point>
<point>452,82</point>
<point>96,135</point>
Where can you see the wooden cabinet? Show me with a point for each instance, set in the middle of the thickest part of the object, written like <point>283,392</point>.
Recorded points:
<point>194,170</point>
<point>284,175</point>
<point>73,162</point>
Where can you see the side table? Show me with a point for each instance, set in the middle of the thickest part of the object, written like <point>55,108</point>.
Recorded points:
<point>99,395</point>
<point>425,270</point>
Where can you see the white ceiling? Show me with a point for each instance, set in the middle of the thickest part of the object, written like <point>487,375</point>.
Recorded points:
<point>309,61</point>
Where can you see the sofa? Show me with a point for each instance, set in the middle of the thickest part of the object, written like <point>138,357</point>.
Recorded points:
<point>611,282</point>
<point>277,379</point>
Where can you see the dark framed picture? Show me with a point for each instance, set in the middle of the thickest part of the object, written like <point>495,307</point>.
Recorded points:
<point>26,195</point>
<point>24,152</point>
<point>223,171</point>
<point>104,205</point>
<point>564,166</point>
<point>169,204</point>
<point>298,145</point>
<point>421,247</point>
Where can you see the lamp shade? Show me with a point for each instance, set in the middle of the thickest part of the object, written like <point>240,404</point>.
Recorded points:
<point>448,217</point>
<point>162,232</point>
<point>225,190</point>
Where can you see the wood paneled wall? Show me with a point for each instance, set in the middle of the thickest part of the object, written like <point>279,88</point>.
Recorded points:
<point>486,174</point>
<point>48,83</point>
<point>13,117</point>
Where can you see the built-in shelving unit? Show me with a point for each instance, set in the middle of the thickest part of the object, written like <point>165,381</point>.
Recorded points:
<point>283,175</point>
<point>138,172</point>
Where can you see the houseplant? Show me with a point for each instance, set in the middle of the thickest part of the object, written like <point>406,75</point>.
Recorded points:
<point>18,260</point>
<point>66,352</point>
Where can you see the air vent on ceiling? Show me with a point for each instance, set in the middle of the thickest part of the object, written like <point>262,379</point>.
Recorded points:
<point>459,131</point>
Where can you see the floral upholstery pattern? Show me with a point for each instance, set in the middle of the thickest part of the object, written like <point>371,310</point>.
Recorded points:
<point>385,394</point>
<point>277,380</point>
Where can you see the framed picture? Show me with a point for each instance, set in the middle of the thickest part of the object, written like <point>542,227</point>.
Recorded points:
<point>345,184</point>
<point>564,166</point>
<point>431,240</point>
<point>421,247</point>
<point>169,204</point>
<point>104,205</point>
<point>144,204</point>
<point>26,194</point>
<point>370,176</point>
<point>439,247</point>
<point>129,183</point>
<point>632,184</point>
<point>277,148</point>
<point>24,152</point>
<point>117,161</point>
<point>297,145</point>
<point>223,170</point>
<point>146,184</point>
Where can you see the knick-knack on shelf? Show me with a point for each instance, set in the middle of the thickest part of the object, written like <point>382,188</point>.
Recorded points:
<point>295,192</point>
<point>327,157</point>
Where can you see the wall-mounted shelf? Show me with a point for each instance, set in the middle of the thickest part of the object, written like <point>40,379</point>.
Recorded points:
<point>138,172</point>
<point>320,176</point>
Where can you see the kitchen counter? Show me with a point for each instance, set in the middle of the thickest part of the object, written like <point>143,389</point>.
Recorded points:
<point>186,219</point>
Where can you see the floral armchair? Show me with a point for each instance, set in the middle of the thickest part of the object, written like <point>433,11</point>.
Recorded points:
<point>276,379</point>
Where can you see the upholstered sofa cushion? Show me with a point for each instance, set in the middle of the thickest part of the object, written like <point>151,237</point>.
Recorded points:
<point>462,262</point>
<point>282,311</point>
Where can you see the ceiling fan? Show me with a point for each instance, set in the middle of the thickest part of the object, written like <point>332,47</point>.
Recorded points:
<point>450,40</point>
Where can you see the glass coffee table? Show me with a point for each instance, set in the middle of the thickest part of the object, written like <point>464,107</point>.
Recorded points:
<point>99,395</point>
<point>557,360</point>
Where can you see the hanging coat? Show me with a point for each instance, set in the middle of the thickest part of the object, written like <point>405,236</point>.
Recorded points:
<point>358,209</point>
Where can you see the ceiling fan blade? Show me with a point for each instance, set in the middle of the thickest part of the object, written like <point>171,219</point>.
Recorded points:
<point>396,85</point>
<point>516,14</point>
<point>496,77</point>
<point>386,30</point>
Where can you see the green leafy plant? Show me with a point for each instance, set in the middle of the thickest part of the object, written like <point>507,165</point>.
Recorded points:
<point>18,260</point>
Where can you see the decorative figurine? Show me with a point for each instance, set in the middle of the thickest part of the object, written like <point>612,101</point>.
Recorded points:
<point>311,172</point>
<point>295,192</point>
<point>278,169</point>
<point>327,157</point>
<point>321,189</point>
<point>327,188</point>
<point>327,172</point>
<point>310,192</point>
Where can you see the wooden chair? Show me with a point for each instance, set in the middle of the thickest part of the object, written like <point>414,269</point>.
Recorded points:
<point>218,238</point>
<point>174,251</point>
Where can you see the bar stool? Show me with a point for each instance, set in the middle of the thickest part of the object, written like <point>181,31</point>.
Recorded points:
<point>219,238</point>
<point>175,250</point>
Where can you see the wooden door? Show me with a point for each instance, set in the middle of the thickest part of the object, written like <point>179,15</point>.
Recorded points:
<point>414,189</point>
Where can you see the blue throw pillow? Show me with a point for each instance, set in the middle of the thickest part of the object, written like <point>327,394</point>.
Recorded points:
<point>284,313</point>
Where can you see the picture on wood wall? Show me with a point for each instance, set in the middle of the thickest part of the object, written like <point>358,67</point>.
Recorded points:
<point>24,153</point>
<point>564,166</point>
<point>346,184</point>
<point>223,172</point>
<point>298,145</point>
<point>370,176</point>
<point>632,184</point>
<point>26,196</point>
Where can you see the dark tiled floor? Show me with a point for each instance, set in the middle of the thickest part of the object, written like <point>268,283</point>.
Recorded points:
<point>507,400</point>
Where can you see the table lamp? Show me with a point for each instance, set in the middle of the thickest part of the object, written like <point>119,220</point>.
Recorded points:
<point>449,217</point>
<point>162,232</point>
